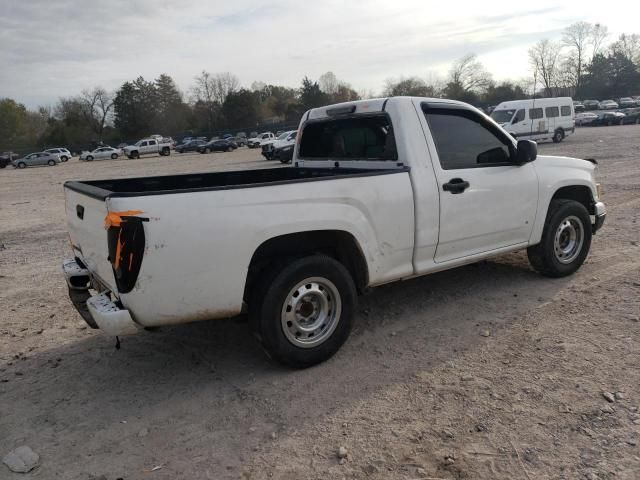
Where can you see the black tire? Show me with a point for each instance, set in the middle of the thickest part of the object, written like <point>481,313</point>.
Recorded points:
<point>285,160</point>
<point>22,165</point>
<point>114,156</point>
<point>558,136</point>
<point>64,158</point>
<point>166,151</point>
<point>543,257</point>
<point>135,155</point>
<point>51,163</point>
<point>89,158</point>
<point>268,302</point>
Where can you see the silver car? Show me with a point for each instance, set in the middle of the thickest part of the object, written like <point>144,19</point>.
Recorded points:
<point>63,153</point>
<point>38,158</point>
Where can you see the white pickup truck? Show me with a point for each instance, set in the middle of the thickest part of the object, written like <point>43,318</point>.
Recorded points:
<point>378,191</point>
<point>149,146</point>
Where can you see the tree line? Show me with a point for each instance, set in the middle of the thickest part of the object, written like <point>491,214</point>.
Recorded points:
<point>582,64</point>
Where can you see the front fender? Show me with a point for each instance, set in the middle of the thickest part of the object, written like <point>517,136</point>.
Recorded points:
<point>555,173</point>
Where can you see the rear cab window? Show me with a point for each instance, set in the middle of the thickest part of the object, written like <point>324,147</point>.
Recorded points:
<point>358,137</point>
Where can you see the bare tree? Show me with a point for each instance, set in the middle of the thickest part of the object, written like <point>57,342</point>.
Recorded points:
<point>544,59</point>
<point>629,46</point>
<point>599,34</point>
<point>577,38</point>
<point>469,75</point>
<point>97,109</point>
<point>329,83</point>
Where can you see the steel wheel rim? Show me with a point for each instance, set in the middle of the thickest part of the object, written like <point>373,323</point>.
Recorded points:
<point>311,312</point>
<point>568,240</point>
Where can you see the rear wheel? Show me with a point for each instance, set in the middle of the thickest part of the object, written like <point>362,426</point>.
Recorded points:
<point>114,156</point>
<point>565,242</point>
<point>558,136</point>
<point>303,313</point>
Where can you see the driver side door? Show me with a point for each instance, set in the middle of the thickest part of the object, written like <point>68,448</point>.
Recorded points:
<point>486,201</point>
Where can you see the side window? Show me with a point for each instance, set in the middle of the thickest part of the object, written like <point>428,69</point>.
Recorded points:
<point>143,144</point>
<point>152,142</point>
<point>565,110</point>
<point>464,140</point>
<point>552,112</point>
<point>519,116</point>
<point>535,113</point>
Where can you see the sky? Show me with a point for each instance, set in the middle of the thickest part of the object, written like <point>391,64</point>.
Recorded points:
<point>57,48</point>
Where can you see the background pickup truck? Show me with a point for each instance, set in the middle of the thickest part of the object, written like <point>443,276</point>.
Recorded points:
<point>378,191</point>
<point>149,146</point>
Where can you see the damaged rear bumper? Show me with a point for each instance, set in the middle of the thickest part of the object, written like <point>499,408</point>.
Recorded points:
<point>99,311</point>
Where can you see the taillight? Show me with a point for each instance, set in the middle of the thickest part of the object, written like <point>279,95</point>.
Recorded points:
<point>126,242</point>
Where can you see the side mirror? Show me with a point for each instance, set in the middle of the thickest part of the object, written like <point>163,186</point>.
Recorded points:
<point>526,152</point>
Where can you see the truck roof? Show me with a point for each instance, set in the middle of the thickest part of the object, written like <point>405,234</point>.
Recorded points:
<point>369,106</point>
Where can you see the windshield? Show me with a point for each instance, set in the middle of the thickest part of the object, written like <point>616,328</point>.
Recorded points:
<point>138,143</point>
<point>502,116</point>
<point>283,136</point>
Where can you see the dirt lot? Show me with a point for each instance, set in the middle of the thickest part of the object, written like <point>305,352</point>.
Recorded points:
<point>418,391</point>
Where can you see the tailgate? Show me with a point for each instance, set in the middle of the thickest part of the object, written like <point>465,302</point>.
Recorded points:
<point>85,220</point>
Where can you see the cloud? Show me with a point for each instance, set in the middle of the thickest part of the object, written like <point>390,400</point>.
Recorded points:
<point>58,48</point>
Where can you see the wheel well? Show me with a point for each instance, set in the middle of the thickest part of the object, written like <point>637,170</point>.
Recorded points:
<point>338,244</point>
<point>580,194</point>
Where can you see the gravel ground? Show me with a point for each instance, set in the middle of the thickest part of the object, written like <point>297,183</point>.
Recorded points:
<point>489,371</point>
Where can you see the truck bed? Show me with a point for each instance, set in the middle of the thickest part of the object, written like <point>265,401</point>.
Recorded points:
<point>193,182</point>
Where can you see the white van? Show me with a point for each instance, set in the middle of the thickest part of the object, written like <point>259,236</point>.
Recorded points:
<point>537,119</point>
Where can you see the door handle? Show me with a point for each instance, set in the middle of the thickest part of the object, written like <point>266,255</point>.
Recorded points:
<point>455,185</point>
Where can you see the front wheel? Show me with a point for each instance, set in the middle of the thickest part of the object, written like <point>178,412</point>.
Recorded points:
<point>51,163</point>
<point>303,313</point>
<point>89,158</point>
<point>64,158</point>
<point>22,165</point>
<point>565,242</point>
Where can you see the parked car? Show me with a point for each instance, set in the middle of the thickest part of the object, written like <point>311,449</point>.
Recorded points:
<point>585,118</point>
<point>257,141</point>
<point>591,104</point>
<point>63,153</point>
<point>222,145</point>
<point>362,207</point>
<point>271,150</point>
<point>149,146</point>
<point>578,107</point>
<point>100,154</point>
<point>239,141</point>
<point>190,146</point>
<point>631,116</point>
<point>6,158</point>
<point>38,158</point>
<point>608,119</point>
<point>608,105</point>
<point>537,119</point>
<point>627,102</point>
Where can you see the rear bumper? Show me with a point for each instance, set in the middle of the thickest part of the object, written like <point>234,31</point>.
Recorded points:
<point>99,311</point>
<point>600,216</point>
